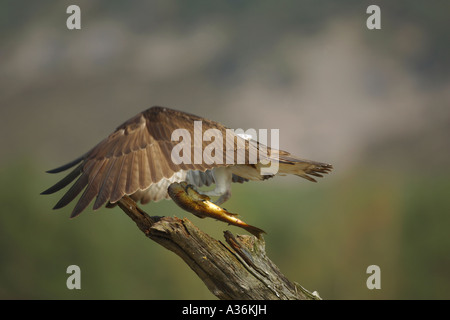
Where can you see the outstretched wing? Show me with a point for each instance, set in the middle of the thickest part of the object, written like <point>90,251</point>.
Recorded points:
<point>133,158</point>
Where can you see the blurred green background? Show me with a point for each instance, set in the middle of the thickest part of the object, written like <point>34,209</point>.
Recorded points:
<point>374,103</point>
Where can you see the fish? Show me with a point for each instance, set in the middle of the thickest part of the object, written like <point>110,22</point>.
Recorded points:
<point>187,198</point>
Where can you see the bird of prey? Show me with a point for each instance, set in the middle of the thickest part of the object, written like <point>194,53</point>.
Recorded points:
<point>136,160</point>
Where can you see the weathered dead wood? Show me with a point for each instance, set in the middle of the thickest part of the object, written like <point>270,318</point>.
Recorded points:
<point>240,270</point>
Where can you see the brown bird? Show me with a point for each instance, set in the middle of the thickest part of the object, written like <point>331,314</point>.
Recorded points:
<point>146,154</point>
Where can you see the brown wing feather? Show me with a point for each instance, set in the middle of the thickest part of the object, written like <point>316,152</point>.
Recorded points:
<point>120,183</point>
<point>106,180</point>
<point>92,187</point>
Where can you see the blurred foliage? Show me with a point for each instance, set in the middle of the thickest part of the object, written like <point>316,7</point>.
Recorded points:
<point>323,236</point>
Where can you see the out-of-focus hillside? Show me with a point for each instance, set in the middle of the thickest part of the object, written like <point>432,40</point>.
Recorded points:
<point>374,103</point>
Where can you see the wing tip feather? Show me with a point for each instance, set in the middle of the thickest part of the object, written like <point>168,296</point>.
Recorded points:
<point>66,166</point>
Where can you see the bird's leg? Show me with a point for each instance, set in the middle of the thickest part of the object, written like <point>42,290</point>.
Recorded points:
<point>223,195</point>
<point>220,192</point>
<point>193,193</point>
<point>223,178</point>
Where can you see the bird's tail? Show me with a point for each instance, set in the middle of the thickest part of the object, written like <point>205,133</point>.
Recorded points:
<point>306,169</point>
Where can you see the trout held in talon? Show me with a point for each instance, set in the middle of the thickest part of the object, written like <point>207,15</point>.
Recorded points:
<point>200,205</point>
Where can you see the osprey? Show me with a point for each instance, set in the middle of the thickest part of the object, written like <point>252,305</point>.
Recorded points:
<point>137,160</point>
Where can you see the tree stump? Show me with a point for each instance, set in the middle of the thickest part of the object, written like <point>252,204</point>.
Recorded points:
<point>240,270</point>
